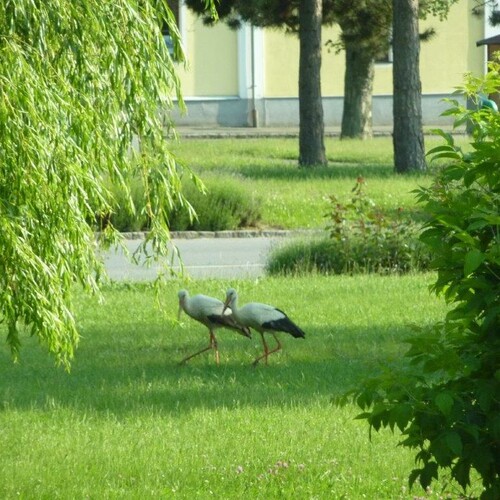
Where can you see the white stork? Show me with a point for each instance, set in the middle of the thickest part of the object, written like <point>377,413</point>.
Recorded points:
<point>210,312</point>
<point>263,318</point>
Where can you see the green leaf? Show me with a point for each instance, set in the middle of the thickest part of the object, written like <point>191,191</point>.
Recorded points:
<point>402,414</point>
<point>363,416</point>
<point>364,400</point>
<point>414,475</point>
<point>428,473</point>
<point>477,224</point>
<point>445,135</point>
<point>461,473</point>
<point>472,430</point>
<point>465,237</point>
<point>473,259</point>
<point>461,120</point>
<point>444,401</point>
<point>453,155</point>
<point>482,459</point>
<point>449,112</point>
<point>469,178</point>
<point>439,149</point>
<point>454,442</point>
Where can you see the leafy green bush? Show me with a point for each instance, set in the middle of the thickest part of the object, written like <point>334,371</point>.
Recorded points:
<point>125,219</point>
<point>302,257</point>
<point>328,256</point>
<point>362,239</point>
<point>447,403</point>
<point>224,205</point>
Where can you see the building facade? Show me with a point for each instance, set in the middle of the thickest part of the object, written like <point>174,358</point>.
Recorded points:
<point>249,77</point>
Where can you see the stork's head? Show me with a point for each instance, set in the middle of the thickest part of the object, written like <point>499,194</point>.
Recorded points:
<point>183,296</point>
<point>231,298</point>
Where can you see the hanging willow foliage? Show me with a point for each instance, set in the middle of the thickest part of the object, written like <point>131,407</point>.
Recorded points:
<point>81,83</point>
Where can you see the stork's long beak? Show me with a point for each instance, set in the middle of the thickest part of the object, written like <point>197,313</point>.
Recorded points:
<point>180,311</point>
<point>226,306</point>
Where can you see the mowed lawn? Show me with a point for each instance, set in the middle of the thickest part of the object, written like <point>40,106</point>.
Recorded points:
<point>129,422</point>
<point>295,197</point>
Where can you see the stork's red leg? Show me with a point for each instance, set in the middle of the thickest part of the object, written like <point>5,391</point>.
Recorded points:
<point>266,351</point>
<point>266,348</point>
<point>195,354</point>
<point>213,345</point>
<point>278,344</point>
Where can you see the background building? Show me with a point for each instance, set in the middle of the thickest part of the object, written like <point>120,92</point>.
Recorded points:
<point>233,77</point>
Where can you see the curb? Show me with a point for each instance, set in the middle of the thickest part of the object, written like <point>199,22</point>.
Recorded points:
<point>221,132</point>
<point>260,134</point>
<point>249,233</point>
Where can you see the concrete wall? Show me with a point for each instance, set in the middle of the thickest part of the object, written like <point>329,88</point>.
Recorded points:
<point>284,112</point>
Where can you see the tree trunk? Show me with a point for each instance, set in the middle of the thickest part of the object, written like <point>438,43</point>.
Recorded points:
<point>358,88</point>
<point>311,133</point>
<point>408,137</point>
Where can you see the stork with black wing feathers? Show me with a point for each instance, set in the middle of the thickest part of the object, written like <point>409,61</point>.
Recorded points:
<point>211,313</point>
<point>263,318</point>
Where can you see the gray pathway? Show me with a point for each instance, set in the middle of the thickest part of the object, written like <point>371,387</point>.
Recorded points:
<point>203,257</point>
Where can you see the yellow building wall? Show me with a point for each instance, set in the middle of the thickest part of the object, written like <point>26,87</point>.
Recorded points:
<point>452,51</point>
<point>443,60</point>
<point>281,67</point>
<point>281,63</point>
<point>212,55</point>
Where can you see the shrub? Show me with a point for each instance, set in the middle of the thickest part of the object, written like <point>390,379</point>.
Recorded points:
<point>124,219</point>
<point>328,256</point>
<point>447,402</point>
<point>224,205</point>
<point>369,239</point>
<point>302,257</point>
<point>362,239</point>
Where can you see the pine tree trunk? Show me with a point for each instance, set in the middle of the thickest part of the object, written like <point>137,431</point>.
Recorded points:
<point>358,88</point>
<point>311,133</point>
<point>408,137</point>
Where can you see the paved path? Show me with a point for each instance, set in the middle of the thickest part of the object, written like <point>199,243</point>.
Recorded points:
<point>203,257</point>
<point>216,132</point>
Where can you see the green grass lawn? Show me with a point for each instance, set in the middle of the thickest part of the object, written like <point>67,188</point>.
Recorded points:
<point>295,197</point>
<point>129,422</point>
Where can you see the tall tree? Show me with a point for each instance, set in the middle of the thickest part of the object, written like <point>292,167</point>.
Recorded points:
<point>80,81</point>
<point>311,134</point>
<point>365,29</point>
<point>358,91</point>
<point>302,17</point>
<point>408,136</point>
<point>365,36</point>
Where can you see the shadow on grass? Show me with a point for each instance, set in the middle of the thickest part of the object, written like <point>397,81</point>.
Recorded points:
<point>289,171</point>
<point>128,378</point>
